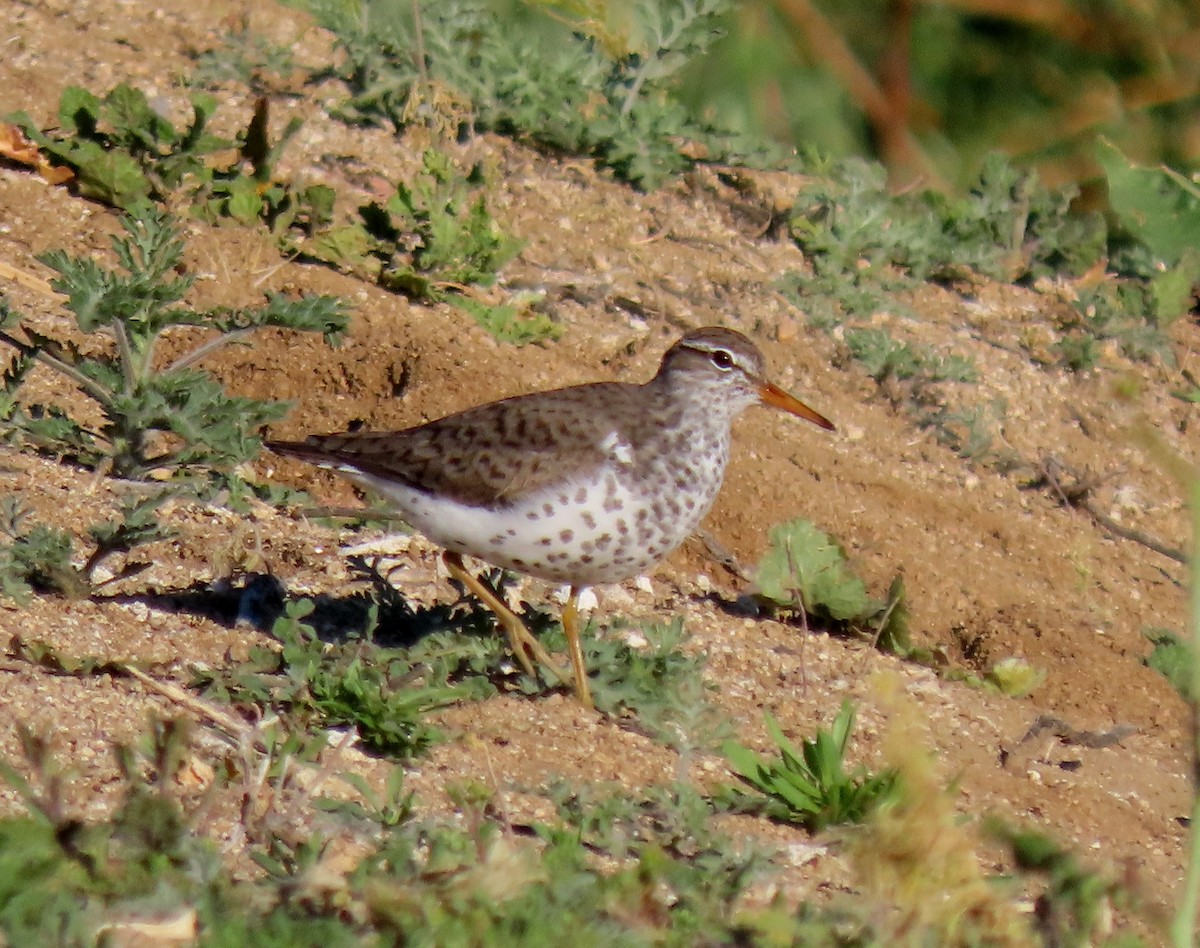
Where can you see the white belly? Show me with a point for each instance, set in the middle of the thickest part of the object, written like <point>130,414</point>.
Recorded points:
<point>596,530</point>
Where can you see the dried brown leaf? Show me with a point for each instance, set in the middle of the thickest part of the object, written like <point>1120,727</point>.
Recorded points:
<point>16,147</point>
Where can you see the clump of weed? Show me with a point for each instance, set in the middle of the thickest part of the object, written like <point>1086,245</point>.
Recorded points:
<point>561,81</point>
<point>244,56</point>
<point>655,684</point>
<point>804,571</point>
<point>675,818</point>
<point>1075,903</point>
<point>435,240</point>
<point>41,558</point>
<point>66,881</point>
<point>811,787</point>
<point>159,421</point>
<point>357,683</point>
<point>972,433</point>
<point>865,243</point>
<point>883,358</point>
<point>148,874</point>
<point>428,239</point>
<point>1125,312</point>
<point>516,323</point>
<point>866,247</point>
<point>915,857</point>
<point>1171,658</point>
<point>451,885</point>
<point>123,152</point>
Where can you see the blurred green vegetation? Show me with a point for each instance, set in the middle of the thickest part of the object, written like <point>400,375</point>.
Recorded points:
<point>928,89</point>
<point>1092,102</point>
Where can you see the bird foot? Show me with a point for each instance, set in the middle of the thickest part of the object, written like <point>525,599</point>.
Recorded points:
<point>520,639</point>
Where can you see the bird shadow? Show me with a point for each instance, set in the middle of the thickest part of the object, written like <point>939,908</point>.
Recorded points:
<point>372,609</point>
<point>741,606</point>
<point>450,645</point>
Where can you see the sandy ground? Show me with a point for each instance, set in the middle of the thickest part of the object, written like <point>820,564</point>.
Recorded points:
<point>993,568</point>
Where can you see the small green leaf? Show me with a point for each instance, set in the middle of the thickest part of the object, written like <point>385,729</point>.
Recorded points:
<point>508,323</point>
<point>134,120</point>
<point>78,111</point>
<point>892,624</point>
<point>244,203</point>
<point>804,562</point>
<point>348,247</point>
<point>1171,658</point>
<point>1015,677</point>
<point>1153,203</point>
<point>112,177</point>
<point>1173,287</point>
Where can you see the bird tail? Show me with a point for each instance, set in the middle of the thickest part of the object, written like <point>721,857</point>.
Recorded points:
<point>315,450</point>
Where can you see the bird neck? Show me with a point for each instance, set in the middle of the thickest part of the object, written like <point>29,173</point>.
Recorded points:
<point>698,401</point>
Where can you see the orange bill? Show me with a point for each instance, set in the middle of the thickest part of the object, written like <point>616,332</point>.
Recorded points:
<point>777,398</point>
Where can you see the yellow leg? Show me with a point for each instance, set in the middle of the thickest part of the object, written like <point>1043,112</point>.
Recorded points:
<point>570,621</point>
<point>519,637</point>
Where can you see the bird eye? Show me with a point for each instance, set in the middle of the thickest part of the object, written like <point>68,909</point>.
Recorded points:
<point>722,359</point>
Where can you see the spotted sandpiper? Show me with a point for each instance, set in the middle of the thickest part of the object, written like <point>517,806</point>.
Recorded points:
<point>582,485</point>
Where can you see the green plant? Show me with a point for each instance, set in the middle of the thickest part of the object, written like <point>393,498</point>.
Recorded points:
<point>442,885</point>
<point>1160,208</point>
<point>655,683</point>
<point>1012,677</point>
<point>1190,394</point>
<point>883,357</point>
<point>355,683</point>
<point>244,56</point>
<point>389,809</point>
<point>64,881</point>
<point>518,325</point>
<point>557,78</point>
<point>1125,312</point>
<point>864,242</point>
<point>124,152</point>
<point>1015,677</point>
<point>857,239</point>
<point>158,420</point>
<point>38,557</point>
<point>41,557</point>
<point>433,240</point>
<point>811,787</point>
<point>454,238</point>
<point>1154,256</point>
<point>866,247</point>
<point>427,239</point>
<point>147,872</point>
<point>1011,227</point>
<point>970,432</point>
<point>1072,907</point>
<point>805,570</point>
<point>1079,351</point>
<point>675,819</point>
<point>1171,658</point>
